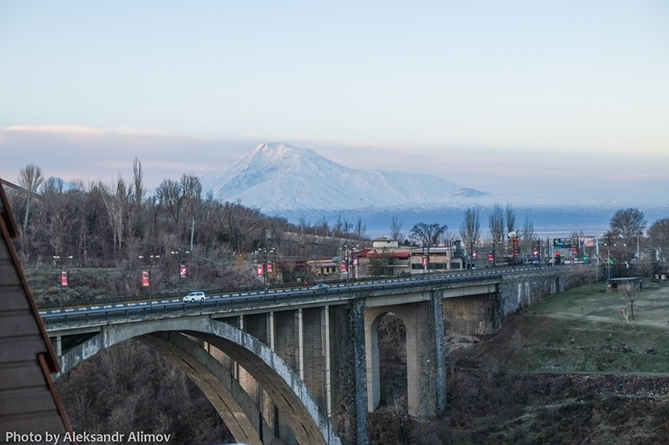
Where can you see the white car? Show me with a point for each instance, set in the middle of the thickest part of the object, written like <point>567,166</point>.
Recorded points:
<point>320,286</point>
<point>194,297</point>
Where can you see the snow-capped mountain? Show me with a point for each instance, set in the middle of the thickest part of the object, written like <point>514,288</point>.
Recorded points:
<point>297,182</point>
<point>277,176</point>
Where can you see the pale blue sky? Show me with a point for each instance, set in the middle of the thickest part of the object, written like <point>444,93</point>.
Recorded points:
<point>486,93</point>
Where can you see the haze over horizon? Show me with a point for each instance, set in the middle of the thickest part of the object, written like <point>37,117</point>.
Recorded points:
<point>530,98</point>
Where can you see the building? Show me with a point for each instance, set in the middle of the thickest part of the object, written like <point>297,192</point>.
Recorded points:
<point>388,258</point>
<point>29,402</point>
<point>322,269</point>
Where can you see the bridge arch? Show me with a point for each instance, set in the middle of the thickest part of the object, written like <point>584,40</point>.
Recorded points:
<point>228,398</point>
<point>287,390</point>
<point>374,358</point>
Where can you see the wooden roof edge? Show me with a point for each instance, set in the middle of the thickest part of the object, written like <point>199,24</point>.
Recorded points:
<point>51,360</point>
<point>7,215</point>
<point>44,364</point>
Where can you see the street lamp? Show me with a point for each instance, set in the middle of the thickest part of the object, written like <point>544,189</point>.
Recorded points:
<point>60,261</point>
<point>182,268</point>
<point>263,254</point>
<point>347,251</point>
<point>151,258</point>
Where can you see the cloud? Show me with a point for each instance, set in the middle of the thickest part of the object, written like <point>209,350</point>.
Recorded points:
<point>80,152</point>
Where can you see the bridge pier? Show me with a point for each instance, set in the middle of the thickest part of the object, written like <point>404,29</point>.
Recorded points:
<point>349,379</point>
<point>426,366</point>
<point>58,345</point>
<point>287,334</point>
<point>313,353</point>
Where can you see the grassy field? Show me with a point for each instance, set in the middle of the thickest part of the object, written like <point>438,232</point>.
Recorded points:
<point>581,331</point>
<point>651,306</point>
<point>565,370</point>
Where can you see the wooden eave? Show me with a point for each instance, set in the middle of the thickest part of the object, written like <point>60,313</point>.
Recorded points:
<point>7,216</point>
<point>10,231</point>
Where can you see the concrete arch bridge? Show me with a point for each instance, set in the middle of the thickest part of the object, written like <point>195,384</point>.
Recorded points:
<point>300,366</point>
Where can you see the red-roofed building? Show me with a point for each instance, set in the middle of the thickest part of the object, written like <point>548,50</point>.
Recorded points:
<point>388,258</point>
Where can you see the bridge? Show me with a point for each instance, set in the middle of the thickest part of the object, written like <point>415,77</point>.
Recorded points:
<point>302,366</point>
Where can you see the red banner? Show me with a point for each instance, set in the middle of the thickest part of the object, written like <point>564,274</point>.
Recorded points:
<point>270,268</point>
<point>259,270</point>
<point>145,278</point>
<point>355,261</point>
<point>516,247</point>
<point>182,271</point>
<point>424,260</point>
<point>491,257</point>
<point>63,278</point>
<point>342,267</point>
<point>475,254</point>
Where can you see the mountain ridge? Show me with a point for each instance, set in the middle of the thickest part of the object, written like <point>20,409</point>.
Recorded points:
<point>277,176</point>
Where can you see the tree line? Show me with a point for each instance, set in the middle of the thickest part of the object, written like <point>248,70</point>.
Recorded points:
<point>628,234</point>
<point>120,224</point>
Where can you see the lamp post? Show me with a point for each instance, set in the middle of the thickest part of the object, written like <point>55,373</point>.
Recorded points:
<point>347,251</point>
<point>263,254</point>
<point>181,275</point>
<point>60,277</point>
<point>151,258</point>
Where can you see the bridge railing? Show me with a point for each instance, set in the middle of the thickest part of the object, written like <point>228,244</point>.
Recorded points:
<point>240,302</point>
<point>106,300</point>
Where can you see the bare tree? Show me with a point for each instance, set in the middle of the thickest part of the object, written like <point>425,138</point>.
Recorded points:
<point>192,198</point>
<point>630,292</point>
<point>30,178</point>
<point>170,196</point>
<point>510,218</point>
<point>340,223</point>
<point>427,234</point>
<point>628,224</point>
<point>324,224</point>
<point>527,235</point>
<point>470,232</point>
<point>303,224</point>
<point>511,229</point>
<point>135,209</point>
<point>658,234</point>
<point>360,228</point>
<point>137,176</point>
<point>396,229</point>
<point>496,226</point>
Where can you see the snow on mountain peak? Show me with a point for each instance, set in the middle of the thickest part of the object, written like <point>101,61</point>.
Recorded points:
<point>276,176</point>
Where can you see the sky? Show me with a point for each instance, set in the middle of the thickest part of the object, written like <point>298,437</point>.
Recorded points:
<point>542,97</point>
